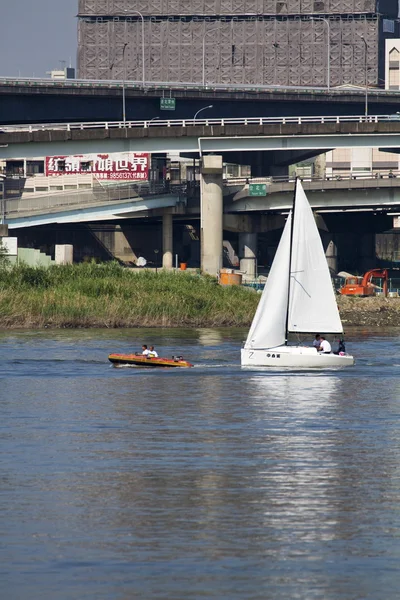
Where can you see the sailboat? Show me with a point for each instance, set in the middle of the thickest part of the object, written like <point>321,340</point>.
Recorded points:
<point>298,298</point>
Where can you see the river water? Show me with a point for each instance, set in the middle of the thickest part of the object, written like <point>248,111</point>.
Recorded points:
<point>205,483</point>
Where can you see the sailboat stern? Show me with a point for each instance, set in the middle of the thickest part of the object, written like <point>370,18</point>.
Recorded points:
<point>295,357</point>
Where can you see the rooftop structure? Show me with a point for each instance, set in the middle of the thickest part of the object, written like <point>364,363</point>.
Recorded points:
<point>265,42</point>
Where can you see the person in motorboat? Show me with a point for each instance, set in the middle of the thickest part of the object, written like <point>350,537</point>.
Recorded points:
<point>317,341</point>
<point>152,352</point>
<point>324,347</point>
<point>145,351</point>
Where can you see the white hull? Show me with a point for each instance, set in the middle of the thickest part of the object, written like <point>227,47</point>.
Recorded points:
<point>294,357</point>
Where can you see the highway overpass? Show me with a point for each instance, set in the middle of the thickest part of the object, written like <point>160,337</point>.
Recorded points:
<point>233,140</point>
<point>267,144</point>
<point>37,100</point>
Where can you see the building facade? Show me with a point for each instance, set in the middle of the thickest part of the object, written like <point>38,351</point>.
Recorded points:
<point>264,42</point>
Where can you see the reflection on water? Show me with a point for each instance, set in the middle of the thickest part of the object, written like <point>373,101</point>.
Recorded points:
<point>212,482</point>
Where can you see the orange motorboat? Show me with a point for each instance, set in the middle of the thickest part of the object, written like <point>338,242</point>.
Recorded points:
<point>147,361</point>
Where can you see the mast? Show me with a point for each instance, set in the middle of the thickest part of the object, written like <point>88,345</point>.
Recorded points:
<point>290,261</point>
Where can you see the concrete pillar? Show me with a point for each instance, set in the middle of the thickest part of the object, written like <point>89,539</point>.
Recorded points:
<point>3,230</point>
<point>331,257</point>
<point>64,254</point>
<point>320,166</point>
<point>211,203</point>
<point>167,230</point>
<point>248,254</point>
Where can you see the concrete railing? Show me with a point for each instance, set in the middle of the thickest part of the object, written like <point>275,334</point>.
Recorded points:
<point>184,85</point>
<point>198,122</point>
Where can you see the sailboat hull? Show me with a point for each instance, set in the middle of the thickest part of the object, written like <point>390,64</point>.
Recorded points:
<point>302,357</point>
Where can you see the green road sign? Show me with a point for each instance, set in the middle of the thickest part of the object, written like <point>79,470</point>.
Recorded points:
<point>257,189</point>
<point>167,103</point>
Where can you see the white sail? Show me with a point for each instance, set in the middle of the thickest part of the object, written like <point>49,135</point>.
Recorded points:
<point>268,328</point>
<point>312,302</point>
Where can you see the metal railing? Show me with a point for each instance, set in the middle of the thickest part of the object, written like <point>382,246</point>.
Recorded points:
<point>337,176</point>
<point>144,124</point>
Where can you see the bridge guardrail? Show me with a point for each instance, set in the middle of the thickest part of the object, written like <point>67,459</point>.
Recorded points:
<point>338,176</point>
<point>145,124</point>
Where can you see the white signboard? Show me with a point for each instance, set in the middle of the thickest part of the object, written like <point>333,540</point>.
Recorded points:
<point>132,166</point>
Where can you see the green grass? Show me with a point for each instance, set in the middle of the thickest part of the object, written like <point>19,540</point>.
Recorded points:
<point>90,295</point>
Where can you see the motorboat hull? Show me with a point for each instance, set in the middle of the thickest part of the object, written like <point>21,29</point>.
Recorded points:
<point>302,357</point>
<point>144,361</point>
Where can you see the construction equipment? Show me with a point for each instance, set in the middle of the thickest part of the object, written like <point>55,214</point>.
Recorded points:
<point>363,286</point>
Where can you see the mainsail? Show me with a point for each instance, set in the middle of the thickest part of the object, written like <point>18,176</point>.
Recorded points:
<point>312,302</point>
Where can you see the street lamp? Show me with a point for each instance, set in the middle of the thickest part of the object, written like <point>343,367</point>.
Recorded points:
<point>204,52</point>
<point>328,67</point>
<point>143,67</point>
<point>124,14</point>
<point>123,84</point>
<point>365,73</point>
<point>199,111</point>
<point>3,200</point>
<point>127,13</point>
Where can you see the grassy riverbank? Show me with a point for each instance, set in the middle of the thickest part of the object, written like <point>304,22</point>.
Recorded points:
<point>89,295</point>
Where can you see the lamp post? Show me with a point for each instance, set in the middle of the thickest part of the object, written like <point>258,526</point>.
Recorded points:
<point>143,67</point>
<point>124,14</point>
<point>365,73</point>
<point>199,111</point>
<point>204,52</point>
<point>123,84</point>
<point>3,200</point>
<point>328,66</point>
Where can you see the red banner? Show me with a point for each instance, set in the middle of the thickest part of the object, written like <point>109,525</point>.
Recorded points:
<point>133,166</point>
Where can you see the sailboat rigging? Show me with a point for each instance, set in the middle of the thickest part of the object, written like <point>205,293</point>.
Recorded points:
<point>298,298</point>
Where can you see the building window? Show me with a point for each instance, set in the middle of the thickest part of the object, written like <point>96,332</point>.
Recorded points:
<point>388,26</point>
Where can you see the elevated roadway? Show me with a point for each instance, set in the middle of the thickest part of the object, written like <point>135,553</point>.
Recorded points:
<point>363,194</point>
<point>34,100</point>
<point>346,194</point>
<point>309,135</point>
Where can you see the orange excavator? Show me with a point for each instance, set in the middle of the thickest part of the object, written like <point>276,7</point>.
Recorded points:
<point>363,286</point>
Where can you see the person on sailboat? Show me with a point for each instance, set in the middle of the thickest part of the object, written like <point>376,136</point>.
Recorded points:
<point>324,346</point>
<point>341,348</point>
<point>317,341</point>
